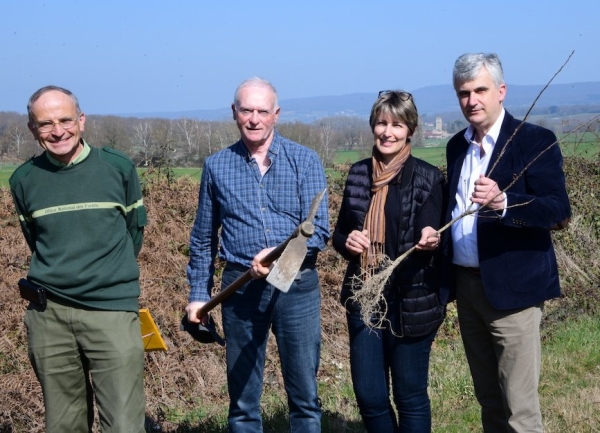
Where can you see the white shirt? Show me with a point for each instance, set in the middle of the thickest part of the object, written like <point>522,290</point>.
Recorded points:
<point>464,231</point>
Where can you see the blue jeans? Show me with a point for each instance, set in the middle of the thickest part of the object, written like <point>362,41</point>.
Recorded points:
<point>294,317</point>
<point>375,355</point>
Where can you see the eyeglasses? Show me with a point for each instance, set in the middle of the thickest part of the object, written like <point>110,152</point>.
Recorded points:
<point>48,126</point>
<point>403,96</point>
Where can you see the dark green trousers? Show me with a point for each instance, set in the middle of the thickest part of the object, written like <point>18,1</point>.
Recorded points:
<point>80,354</point>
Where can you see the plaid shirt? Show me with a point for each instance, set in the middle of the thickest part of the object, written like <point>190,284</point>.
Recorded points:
<point>253,211</point>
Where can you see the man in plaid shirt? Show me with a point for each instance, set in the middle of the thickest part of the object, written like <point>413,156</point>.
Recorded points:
<point>256,192</point>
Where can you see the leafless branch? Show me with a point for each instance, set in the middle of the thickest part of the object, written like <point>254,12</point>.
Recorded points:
<point>527,114</point>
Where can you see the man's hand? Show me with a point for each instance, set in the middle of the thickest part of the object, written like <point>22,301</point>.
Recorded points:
<point>357,242</point>
<point>486,192</point>
<point>430,239</point>
<point>257,270</point>
<point>192,310</point>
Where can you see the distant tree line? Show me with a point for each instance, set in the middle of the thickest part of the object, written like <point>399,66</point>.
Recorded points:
<point>187,142</point>
<point>183,142</point>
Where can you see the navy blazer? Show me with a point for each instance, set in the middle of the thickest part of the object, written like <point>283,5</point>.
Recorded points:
<point>516,257</point>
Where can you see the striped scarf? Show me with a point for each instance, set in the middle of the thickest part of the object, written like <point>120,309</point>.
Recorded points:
<point>375,219</point>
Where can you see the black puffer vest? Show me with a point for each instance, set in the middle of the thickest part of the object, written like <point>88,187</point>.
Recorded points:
<point>412,292</point>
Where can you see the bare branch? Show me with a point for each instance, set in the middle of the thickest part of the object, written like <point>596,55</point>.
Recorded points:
<point>548,84</point>
<point>527,114</point>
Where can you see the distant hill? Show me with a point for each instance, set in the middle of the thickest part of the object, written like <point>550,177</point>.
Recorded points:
<point>431,101</point>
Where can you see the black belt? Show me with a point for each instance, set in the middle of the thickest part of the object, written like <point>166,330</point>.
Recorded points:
<point>476,272</point>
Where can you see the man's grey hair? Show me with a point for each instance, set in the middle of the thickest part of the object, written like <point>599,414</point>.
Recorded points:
<point>36,95</point>
<point>468,66</point>
<point>255,81</point>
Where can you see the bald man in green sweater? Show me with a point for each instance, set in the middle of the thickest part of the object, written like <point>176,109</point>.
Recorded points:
<point>82,215</point>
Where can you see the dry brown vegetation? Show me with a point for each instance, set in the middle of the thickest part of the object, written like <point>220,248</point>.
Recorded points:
<point>186,386</point>
<point>187,379</point>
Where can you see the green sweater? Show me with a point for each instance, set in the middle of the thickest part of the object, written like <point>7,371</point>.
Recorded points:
<point>84,225</point>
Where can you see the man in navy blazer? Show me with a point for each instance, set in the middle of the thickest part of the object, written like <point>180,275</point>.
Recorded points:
<point>500,263</point>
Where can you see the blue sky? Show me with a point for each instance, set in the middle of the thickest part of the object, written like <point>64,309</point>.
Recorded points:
<point>134,56</point>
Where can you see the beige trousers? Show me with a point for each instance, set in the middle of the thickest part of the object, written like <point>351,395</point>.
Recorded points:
<point>503,350</point>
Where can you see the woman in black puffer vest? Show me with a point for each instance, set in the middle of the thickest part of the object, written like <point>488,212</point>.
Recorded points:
<point>391,202</point>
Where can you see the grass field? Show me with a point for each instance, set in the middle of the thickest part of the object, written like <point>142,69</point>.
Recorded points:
<point>569,385</point>
<point>193,172</point>
<point>583,145</point>
<point>5,172</point>
<point>435,154</point>
<point>349,156</point>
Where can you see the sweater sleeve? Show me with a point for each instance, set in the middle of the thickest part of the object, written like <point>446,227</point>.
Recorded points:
<point>136,211</point>
<point>27,227</point>
<point>16,190</point>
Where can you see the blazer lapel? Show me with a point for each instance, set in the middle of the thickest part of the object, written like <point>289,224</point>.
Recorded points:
<point>501,147</point>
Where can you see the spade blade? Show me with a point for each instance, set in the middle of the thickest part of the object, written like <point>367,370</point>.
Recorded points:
<point>287,266</point>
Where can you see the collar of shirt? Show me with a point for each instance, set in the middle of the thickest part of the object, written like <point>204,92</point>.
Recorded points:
<point>83,155</point>
<point>273,147</point>
<point>464,231</point>
<point>489,140</point>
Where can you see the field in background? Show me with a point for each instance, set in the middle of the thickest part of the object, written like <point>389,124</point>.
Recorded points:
<point>435,153</point>
<point>5,172</point>
<point>584,145</point>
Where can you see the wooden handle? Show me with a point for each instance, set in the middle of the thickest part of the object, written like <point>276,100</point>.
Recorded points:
<point>306,228</point>
<point>224,294</point>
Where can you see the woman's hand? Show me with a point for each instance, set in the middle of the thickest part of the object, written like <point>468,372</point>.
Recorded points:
<point>357,242</point>
<point>430,239</point>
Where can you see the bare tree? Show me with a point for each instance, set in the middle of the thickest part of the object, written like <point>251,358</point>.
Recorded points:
<point>325,145</point>
<point>142,139</point>
<point>4,142</point>
<point>91,132</point>
<point>162,139</point>
<point>18,134</point>
<point>298,132</point>
<point>189,131</point>
<point>227,133</point>
<point>111,131</point>
<point>206,129</point>
<point>417,139</point>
